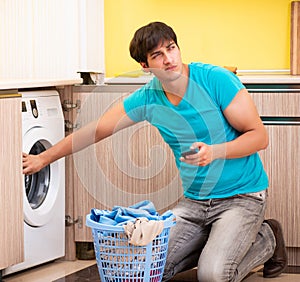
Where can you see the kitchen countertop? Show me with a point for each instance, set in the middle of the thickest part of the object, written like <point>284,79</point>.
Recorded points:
<point>270,79</point>
<point>245,78</point>
<point>35,83</point>
<point>253,82</point>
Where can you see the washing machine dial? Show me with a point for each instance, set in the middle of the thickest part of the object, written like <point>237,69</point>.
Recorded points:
<point>34,110</point>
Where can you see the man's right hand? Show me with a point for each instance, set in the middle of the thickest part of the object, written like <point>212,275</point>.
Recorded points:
<point>31,163</point>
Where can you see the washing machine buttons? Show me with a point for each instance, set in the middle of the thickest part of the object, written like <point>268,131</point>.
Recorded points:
<point>24,109</point>
<point>34,110</point>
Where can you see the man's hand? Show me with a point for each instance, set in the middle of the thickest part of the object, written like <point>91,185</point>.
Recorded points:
<point>31,163</point>
<point>203,157</point>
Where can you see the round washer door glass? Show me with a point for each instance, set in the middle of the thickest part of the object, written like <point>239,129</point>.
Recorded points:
<point>37,185</point>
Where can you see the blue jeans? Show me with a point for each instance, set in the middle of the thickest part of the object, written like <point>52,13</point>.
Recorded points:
<point>224,238</point>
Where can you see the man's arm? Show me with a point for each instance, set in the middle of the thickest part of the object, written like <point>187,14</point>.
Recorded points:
<point>242,114</point>
<point>111,121</point>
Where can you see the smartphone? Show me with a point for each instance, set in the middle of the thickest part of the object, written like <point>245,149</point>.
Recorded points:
<point>190,152</point>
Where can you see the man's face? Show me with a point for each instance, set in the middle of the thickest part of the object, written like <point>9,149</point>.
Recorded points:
<point>164,61</point>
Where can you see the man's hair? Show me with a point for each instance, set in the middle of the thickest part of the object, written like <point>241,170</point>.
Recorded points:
<point>148,37</point>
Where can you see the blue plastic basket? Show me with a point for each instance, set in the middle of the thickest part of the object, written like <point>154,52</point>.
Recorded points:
<point>117,260</point>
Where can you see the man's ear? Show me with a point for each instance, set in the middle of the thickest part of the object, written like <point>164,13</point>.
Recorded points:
<point>145,67</point>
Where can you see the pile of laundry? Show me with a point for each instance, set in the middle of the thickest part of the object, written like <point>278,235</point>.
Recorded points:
<point>141,222</point>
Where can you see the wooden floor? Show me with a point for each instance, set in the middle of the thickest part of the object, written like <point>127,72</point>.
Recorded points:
<point>86,271</point>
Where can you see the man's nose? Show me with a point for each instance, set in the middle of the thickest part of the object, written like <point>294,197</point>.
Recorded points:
<point>167,58</point>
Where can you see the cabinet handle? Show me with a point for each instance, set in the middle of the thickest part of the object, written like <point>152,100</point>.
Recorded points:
<point>281,120</point>
<point>12,95</point>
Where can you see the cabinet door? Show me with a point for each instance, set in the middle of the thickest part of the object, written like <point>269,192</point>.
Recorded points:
<point>277,104</point>
<point>281,160</point>
<point>130,166</point>
<point>11,188</point>
<point>282,163</point>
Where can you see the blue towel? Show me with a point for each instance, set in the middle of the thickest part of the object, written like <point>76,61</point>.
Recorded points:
<point>121,215</point>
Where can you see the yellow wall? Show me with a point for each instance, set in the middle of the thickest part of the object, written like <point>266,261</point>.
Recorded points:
<point>249,34</point>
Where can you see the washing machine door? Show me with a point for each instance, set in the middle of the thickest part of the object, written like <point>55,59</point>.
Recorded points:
<point>41,188</point>
<point>37,185</point>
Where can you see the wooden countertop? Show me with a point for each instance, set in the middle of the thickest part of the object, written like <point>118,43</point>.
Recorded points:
<point>270,79</point>
<point>31,83</point>
<point>245,78</point>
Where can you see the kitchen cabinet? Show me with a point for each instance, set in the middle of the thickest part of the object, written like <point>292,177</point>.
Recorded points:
<point>11,194</point>
<point>135,163</point>
<point>132,165</point>
<point>281,115</point>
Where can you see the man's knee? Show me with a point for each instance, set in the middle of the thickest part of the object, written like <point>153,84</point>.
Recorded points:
<point>209,275</point>
<point>215,272</point>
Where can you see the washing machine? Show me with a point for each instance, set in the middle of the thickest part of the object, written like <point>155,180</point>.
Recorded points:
<point>44,192</point>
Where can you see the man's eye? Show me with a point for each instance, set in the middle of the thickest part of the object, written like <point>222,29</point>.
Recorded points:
<point>155,56</point>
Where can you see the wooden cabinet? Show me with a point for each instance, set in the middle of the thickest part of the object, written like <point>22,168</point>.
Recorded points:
<point>281,114</point>
<point>135,164</point>
<point>130,166</point>
<point>282,163</point>
<point>11,188</point>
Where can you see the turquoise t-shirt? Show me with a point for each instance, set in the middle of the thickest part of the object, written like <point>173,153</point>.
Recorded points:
<point>199,117</point>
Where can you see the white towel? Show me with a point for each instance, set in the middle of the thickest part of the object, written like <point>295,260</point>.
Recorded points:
<point>143,231</point>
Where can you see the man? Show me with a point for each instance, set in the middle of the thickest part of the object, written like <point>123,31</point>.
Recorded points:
<point>220,221</point>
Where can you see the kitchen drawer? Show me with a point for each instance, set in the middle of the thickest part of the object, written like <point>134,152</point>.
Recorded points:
<point>282,104</point>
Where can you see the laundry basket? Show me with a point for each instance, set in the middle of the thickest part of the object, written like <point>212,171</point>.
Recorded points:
<point>117,260</point>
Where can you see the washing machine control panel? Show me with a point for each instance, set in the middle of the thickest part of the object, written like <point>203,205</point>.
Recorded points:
<point>36,108</point>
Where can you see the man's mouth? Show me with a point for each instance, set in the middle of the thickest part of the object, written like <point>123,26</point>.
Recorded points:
<point>171,68</point>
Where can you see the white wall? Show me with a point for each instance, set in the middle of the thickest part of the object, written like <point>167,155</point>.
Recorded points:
<point>50,39</point>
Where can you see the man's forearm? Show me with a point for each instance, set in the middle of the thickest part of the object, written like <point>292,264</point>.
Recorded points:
<point>246,144</point>
<point>73,143</point>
